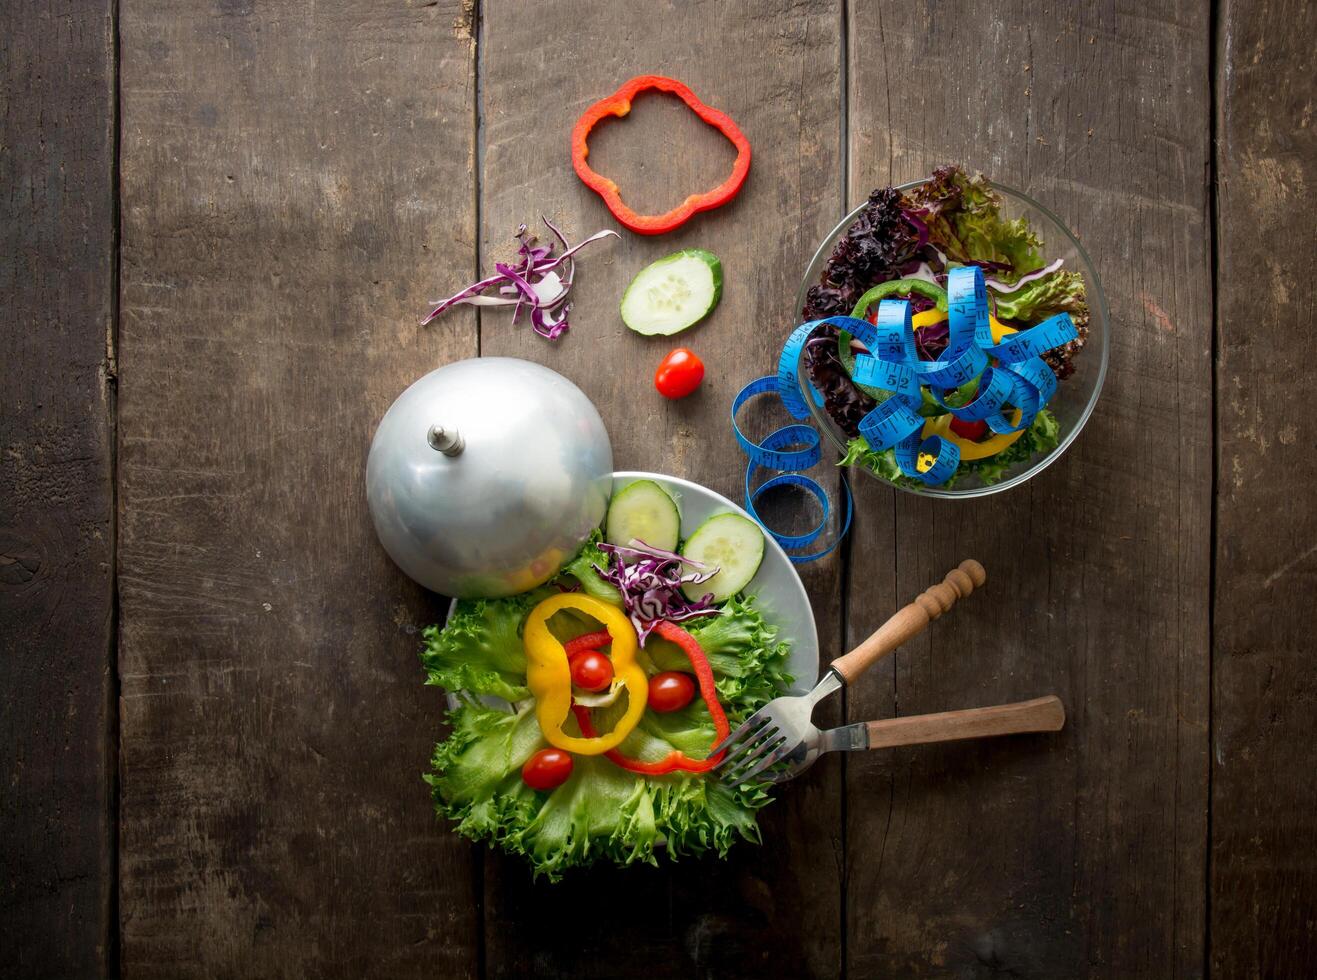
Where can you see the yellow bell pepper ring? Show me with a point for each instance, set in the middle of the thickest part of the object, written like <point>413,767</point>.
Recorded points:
<point>991,446</point>
<point>930,317</point>
<point>550,677</point>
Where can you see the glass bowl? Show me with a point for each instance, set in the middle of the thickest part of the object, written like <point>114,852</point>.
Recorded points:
<point>1075,396</point>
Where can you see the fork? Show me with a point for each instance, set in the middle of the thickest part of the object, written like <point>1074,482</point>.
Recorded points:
<point>779,727</point>
<point>1046,714</point>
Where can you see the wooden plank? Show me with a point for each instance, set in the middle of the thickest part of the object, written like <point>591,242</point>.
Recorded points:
<point>774,68</point>
<point>1082,853</point>
<point>1264,681</point>
<point>56,487</point>
<point>293,177</point>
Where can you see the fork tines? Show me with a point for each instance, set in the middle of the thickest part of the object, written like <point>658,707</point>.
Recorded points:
<point>752,748</point>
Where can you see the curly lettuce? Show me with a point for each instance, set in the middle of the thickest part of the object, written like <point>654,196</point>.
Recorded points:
<point>582,570</point>
<point>1041,437</point>
<point>480,650</point>
<point>1061,292</point>
<point>963,215</point>
<point>881,462</point>
<point>602,811</point>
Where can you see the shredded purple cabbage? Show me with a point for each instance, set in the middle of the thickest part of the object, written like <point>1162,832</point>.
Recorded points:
<point>533,283</point>
<point>918,224</point>
<point>651,583</point>
<point>931,341</point>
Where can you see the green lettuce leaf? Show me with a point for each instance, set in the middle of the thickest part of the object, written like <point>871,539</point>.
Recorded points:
<point>963,214</point>
<point>1061,292</point>
<point>582,569</point>
<point>989,238</point>
<point>480,651</point>
<point>476,769</point>
<point>602,811</point>
<point>881,462</point>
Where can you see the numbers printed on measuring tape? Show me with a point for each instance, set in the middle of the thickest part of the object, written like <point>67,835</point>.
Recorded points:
<point>886,375</point>
<point>1052,332</point>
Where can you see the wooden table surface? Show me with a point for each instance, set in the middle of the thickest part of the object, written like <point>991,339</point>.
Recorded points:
<point>221,220</point>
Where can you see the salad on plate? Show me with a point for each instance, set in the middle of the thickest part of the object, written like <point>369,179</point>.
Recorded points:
<point>586,709</point>
<point>904,246</point>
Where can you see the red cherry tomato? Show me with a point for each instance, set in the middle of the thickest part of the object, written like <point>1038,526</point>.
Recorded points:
<point>547,769</point>
<point>591,671</point>
<point>679,374</point>
<point>973,431</point>
<point>670,691</point>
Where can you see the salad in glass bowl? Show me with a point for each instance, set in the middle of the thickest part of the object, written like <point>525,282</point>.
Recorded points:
<point>583,712</point>
<point>903,244</point>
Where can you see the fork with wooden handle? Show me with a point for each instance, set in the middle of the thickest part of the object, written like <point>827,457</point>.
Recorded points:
<point>779,727</point>
<point>1045,714</point>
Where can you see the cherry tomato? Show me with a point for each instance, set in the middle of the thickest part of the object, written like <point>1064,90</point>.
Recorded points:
<point>973,431</point>
<point>547,769</point>
<point>670,691</point>
<point>679,374</point>
<point>591,671</point>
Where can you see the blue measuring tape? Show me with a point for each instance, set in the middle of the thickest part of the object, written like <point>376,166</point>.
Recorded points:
<point>1010,373</point>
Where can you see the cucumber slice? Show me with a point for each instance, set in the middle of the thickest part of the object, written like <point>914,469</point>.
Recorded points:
<point>643,510</point>
<point>732,543</point>
<point>673,293</point>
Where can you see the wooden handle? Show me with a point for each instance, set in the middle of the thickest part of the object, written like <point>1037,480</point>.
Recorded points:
<point>910,620</point>
<point>1039,715</point>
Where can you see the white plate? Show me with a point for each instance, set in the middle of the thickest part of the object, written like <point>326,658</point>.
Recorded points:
<point>778,591</point>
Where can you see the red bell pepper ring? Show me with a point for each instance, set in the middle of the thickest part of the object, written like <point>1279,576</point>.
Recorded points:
<point>588,641</point>
<point>619,104</point>
<point>674,761</point>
